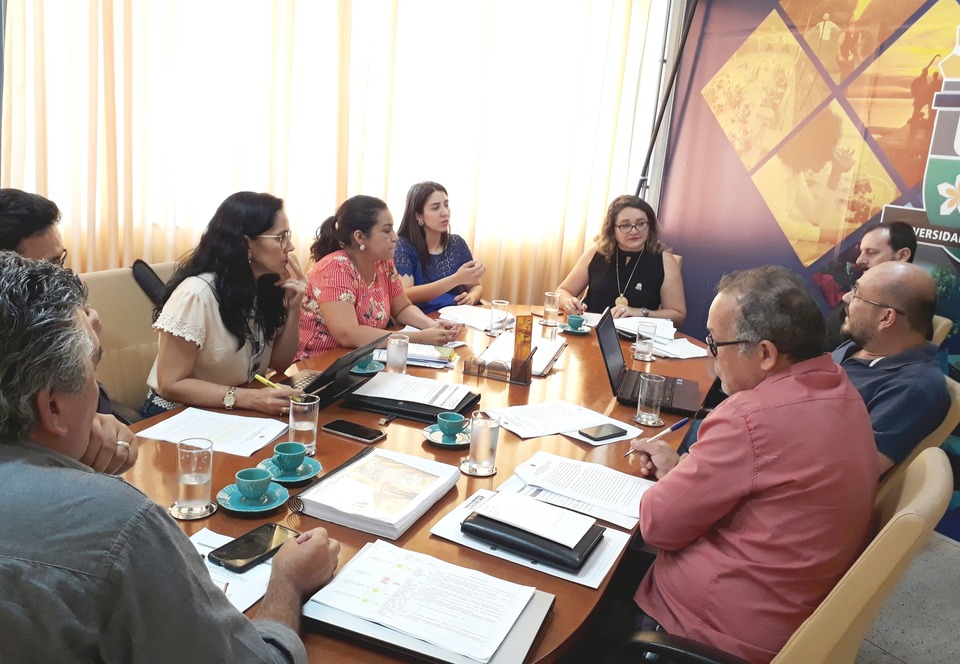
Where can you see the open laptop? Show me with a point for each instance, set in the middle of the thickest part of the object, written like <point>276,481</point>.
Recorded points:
<point>336,380</point>
<point>680,396</point>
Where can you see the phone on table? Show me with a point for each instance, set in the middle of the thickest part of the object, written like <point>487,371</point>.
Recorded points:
<point>602,432</point>
<point>244,552</point>
<point>353,431</point>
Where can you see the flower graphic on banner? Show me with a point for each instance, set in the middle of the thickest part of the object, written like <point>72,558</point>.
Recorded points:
<point>952,195</point>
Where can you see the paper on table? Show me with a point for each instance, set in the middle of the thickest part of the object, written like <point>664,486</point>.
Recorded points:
<point>665,329</point>
<point>544,419</point>
<point>501,350</point>
<point>472,316</point>
<point>594,570</point>
<point>516,485</point>
<point>413,388</point>
<point>243,590</point>
<point>585,481</point>
<point>631,432</point>
<point>591,319</point>
<point>679,348</point>
<point>233,434</point>
<point>456,608</point>
<point>548,521</point>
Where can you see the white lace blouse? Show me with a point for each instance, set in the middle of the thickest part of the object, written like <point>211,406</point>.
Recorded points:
<point>193,313</point>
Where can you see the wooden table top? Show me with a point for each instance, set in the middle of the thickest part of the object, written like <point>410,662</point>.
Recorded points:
<point>578,377</point>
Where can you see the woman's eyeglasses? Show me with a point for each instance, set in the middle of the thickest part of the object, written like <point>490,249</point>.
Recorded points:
<point>283,238</point>
<point>639,226</point>
<point>60,260</point>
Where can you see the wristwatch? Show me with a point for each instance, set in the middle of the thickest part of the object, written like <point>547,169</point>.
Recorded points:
<point>229,400</point>
<point>644,312</point>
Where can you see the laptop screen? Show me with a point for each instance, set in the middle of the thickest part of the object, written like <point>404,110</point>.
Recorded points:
<point>610,349</point>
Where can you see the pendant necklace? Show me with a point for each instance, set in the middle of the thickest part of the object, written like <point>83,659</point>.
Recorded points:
<point>622,301</point>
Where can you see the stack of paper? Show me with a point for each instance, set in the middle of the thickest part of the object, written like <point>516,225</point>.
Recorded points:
<point>476,317</point>
<point>233,434</point>
<point>454,614</point>
<point>382,493</point>
<point>552,417</point>
<point>425,355</point>
<point>664,342</point>
<point>501,351</point>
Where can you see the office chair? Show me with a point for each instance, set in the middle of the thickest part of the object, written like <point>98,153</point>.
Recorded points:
<point>941,328</point>
<point>914,503</point>
<point>149,282</point>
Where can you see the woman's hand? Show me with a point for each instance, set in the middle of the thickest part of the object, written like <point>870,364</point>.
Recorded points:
<point>470,273</point>
<point>267,400</point>
<point>437,334</point>
<point>464,299</point>
<point>295,285</point>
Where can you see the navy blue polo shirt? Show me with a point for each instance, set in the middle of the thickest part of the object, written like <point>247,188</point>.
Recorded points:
<point>906,395</point>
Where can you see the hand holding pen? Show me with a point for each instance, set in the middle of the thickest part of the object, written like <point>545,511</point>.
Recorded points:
<point>656,456</point>
<point>672,427</point>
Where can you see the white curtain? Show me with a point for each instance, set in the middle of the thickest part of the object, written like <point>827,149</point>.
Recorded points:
<point>139,117</point>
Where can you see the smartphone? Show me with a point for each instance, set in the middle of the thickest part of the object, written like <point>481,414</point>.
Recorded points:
<point>602,432</point>
<point>353,431</point>
<point>244,552</point>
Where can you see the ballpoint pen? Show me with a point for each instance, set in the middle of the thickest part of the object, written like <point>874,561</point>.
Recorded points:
<point>663,433</point>
<point>268,383</point>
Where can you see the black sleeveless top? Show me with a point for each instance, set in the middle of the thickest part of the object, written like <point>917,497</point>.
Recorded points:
<point>642,289</point>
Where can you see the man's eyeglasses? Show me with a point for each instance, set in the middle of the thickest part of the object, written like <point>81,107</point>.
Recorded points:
<point>854,294</point>
<point>712,345</point>
<point>283,238</point>
<point>60,260</point>
<point>639,226</point>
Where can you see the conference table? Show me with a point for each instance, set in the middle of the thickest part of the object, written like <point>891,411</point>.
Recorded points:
<point>577,377</point>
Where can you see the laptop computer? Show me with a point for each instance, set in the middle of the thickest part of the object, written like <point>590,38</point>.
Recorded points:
<point>680,396</point>
<point>336,380</point>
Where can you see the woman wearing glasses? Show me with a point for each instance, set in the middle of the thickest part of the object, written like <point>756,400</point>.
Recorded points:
<point>627,269</point>
<point>353,288</point>
<point>231,311</point>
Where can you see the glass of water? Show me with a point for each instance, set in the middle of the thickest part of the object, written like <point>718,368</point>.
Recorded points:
<point>551,308</point>
<point>652,388</point>
<point>195,477</point>
<point>484,435</point>
<point>397,346</point>
<point>303,421</point>
<point>498,317</point>
<point>643,348</point>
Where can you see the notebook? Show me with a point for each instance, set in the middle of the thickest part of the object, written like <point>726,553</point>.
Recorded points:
<point>680,395</point>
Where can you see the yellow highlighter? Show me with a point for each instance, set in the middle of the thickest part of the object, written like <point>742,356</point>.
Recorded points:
<point>268,383</point>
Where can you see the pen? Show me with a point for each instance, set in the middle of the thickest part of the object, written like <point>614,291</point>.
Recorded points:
<point>663,433</point>
<point>268,383</point>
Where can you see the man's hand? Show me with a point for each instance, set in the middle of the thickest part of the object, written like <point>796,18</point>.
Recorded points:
<point>307,562</point>
<point>655,457</point>
<point>105,453</point>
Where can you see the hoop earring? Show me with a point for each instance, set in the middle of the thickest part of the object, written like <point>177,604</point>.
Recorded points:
<point>420,223</point>
<point>363,247</point>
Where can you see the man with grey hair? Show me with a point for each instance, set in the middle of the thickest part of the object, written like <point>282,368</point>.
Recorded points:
<point>774,502</point>
<point>90,568</point>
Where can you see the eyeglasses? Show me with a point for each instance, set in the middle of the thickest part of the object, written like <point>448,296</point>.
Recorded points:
<point>60,260</point>
<point>283,238</point>
<point>712,345</point>
<point>854,295</point>
<point>639,226</point>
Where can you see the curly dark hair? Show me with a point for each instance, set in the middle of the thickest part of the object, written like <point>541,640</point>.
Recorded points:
<point>223,251</point>
<point>358,213</point>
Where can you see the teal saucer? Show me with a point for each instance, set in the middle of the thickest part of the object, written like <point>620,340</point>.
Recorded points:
<point>372,369</point>
<point>231,498</point>
<point>309,468</point>
<point>435,437</point>
<point>566,329</point>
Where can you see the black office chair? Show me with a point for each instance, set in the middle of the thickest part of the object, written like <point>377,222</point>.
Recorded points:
<point>149,282</point>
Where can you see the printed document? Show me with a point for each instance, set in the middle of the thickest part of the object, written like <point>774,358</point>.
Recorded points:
<point>243,590</point>
<point>548,521</point>
<point>544,419</point>
<point>456,608</point>
<point>585,481</point>
<point>402,387</point>
<point>233,434</point>
<point>514,484</point>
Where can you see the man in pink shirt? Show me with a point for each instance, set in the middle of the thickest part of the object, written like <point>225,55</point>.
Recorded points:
<point>774,502</point>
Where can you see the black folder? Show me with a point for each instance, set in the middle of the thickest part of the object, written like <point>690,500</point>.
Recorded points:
<point>524,543</point>
<point>410,410</point>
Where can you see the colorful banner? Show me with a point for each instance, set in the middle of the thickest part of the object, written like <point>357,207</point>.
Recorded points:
<point>799,123</point>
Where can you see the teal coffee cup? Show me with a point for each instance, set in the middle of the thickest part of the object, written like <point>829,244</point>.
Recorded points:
<point>253,483</point>
<point>289,456</point>
<point>574,321</point>
<point>450,424</point>
<point>365,362</point>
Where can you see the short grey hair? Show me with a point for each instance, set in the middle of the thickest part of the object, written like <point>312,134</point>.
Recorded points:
<point>776,305</point>
<point>43,344</point>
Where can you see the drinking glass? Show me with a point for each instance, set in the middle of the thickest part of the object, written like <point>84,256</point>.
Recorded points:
<point>551,308</point>
<point>397,345</point>
<point>648,404</point>
<point>643,348</point>
<point>303,421</point>
<point>484,435</point>
<point>195,477</point>
<point>498,317</point>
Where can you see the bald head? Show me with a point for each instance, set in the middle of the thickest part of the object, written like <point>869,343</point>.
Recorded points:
<point>906,287</point>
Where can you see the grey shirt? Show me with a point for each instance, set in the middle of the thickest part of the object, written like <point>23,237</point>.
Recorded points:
<point>92,570</point>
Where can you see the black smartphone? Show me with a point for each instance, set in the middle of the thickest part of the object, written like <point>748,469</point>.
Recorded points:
<point>602,432</point>
<point>353,431</point>
<point>244,552</point>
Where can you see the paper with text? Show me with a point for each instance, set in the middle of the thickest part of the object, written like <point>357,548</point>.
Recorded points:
<point>516,485</point>
<point>544,419</point>
<point>243,590</point>
<point>233,434</point>
<point>402,387</point>
<point>548,521</point>
<point>455,608</point>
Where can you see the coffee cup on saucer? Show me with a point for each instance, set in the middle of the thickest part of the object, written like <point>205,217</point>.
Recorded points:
<point>575,321</point>
<point>365,362</point>
<point>289,456</point>
<point>450,424</point>
<point>253,483</point>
